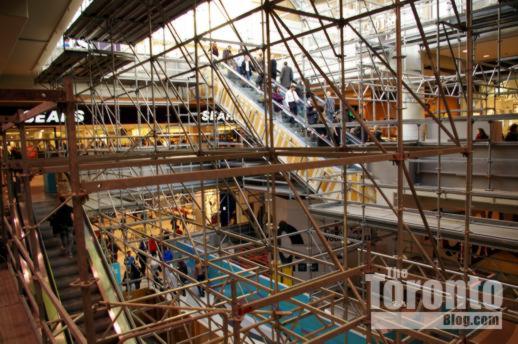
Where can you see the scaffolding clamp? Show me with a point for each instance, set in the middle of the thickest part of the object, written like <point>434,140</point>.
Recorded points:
<point>398,157</point>
<point>85,284</point>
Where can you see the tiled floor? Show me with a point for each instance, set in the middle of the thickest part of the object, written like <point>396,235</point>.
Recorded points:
<point>15,324</point>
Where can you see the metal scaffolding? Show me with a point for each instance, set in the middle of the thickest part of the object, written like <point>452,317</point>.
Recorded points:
<point>126,188</point>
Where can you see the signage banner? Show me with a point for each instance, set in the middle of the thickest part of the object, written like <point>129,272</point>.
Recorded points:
<point>128,115</point>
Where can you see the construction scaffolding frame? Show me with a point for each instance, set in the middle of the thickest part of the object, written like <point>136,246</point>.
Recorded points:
<point>158,179</point>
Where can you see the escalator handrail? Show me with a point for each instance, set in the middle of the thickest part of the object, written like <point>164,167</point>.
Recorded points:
<point>108,269</point>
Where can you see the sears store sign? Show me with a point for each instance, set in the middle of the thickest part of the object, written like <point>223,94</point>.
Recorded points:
<point>216,116</point>
<point>54,117</point>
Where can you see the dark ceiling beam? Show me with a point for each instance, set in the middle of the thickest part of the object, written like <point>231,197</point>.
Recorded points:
<point>30,95</point>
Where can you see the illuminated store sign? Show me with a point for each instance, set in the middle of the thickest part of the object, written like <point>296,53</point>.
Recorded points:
<point>54,117</point>
<point>127,116</point>
<point>216,116</point>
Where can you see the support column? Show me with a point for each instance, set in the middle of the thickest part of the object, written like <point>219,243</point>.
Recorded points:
<point>469,138</point>
<point>236,318</point>
<point>400,147</point>
<point>3,231</point>
<point>82,255</point>
<point>25,182</point>
<point>411,109</point>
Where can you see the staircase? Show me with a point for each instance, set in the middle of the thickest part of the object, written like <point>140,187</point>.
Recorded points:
<point>289,131</point>
<point>63,271</point>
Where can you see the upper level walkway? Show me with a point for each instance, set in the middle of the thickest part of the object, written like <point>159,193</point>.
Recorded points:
<point>492,233</point>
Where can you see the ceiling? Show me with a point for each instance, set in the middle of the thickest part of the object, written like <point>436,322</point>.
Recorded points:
<point>29,32</point>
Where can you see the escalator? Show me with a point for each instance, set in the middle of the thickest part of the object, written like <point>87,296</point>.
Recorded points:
<point>290,131</point>
<point>63,271</point>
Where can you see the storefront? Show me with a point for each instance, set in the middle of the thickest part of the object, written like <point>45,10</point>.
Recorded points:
<point>106,129</point>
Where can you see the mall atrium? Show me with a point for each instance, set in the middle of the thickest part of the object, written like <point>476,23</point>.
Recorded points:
<point>259,171</point>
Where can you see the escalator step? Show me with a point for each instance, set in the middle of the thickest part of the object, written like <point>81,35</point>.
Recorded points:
<point>70,293</point>
<point>54,253</point>
<point>98,316</point>
<point>76,305</point>
<point>52,243</point>
<point>102,325</point>
<point>66,270</point>
<point>60,262</point>
<point>64,282</point>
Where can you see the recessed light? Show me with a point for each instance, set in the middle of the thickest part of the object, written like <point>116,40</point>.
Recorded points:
<point>486,55</point>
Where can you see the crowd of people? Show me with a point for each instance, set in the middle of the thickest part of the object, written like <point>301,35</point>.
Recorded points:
<point>293,97</point>
<point>158,265</point>
<point>299,103</point>
<point>511,136</point>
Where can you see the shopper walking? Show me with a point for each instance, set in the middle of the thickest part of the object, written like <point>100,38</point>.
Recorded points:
<point>142,256</point>
<point>132,274</point>
<point>512,135</point>
<point>182,267</point>
<point>199,272</point>
<point>286,77</point>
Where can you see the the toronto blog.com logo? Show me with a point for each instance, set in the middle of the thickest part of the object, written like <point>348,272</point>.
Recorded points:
<point>399,301</point>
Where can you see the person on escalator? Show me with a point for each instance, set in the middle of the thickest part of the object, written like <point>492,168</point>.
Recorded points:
<point>311,112</point>
<point>214,49</point>
<point>247,67</point>
<point>378,134</point>
<point>277,98</point>
<point>330,107</point>
<point>259,80</point>
<point>238,60</point>
<point>226,54</point>
<point>359,133</point>
<point>286,77</point>
<point>291,99</point>
<point>273,69</point>
<point>260,60</point>
<point>62,222</point>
